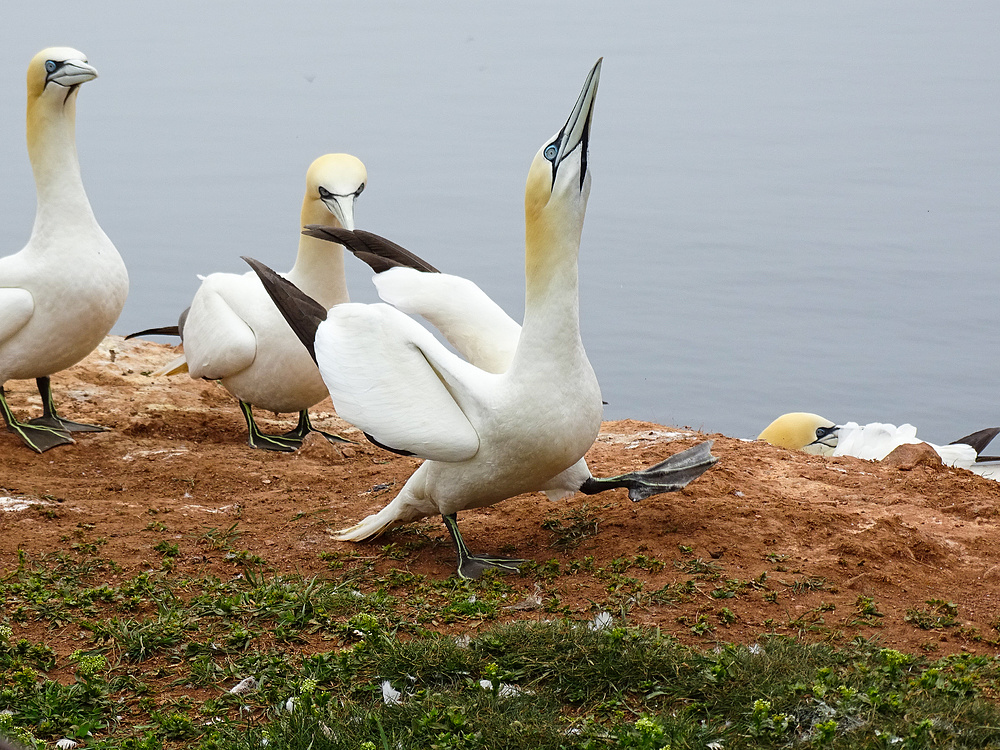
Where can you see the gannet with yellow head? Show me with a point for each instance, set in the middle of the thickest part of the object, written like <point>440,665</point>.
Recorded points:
<point>61,294</point>
<point>812,433</point>
<point>510,419</point>
<point>802,431</point>
<point>233,333</point>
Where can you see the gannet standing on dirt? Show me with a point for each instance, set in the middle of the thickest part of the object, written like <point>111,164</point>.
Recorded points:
<point>233,333</point>
<point>521,421</point>
<point>60,295</point>
<point>815,434</point>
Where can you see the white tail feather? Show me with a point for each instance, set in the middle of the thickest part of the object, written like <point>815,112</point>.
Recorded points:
<point>367,528</point>
<point>173,367</point>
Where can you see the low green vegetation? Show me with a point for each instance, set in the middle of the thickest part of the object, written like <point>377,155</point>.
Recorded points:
<point>361,660</point>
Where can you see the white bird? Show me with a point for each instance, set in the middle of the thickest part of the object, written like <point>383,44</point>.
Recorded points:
<point>233,333</point>
<point>511,419</point>
<point>812,433</point>
<point>60,295</point>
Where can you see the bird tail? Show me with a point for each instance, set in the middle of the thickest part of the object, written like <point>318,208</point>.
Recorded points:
<point>368,528</point>
<point>173,367</point>
<point>408,505</point>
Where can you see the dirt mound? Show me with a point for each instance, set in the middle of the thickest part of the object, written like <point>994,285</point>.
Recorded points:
<point>767,541</point>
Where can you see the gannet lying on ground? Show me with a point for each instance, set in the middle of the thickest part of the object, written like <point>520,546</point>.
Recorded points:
<point>233,333</point>
<point>61,294</point>
<point>520,414</point>
<point>815,434</point>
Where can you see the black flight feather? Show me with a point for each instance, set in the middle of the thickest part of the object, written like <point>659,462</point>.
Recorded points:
<point>300,311</point>
<point>979,440</point>
<point>177,330</point>
<point>378,252</point>
<point>164,331</point>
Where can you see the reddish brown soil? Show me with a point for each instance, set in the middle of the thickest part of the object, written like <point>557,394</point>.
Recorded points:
<point>824,531</point>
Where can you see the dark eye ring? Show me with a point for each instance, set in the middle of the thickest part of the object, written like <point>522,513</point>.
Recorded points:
<point>50,66</point>
<point>324,193</point>
<point>360,190</point>
<point>551,152</point>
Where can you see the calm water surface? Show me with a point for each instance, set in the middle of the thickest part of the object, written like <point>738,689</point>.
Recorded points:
<point>794,206</point>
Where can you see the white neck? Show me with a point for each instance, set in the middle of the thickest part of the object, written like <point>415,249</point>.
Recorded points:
<point>62,201</point>
<point>551,330</point>
<point>319,265</point>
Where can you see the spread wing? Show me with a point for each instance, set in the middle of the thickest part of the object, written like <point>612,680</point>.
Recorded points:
<point>391,378</point>
<point>472,322</point>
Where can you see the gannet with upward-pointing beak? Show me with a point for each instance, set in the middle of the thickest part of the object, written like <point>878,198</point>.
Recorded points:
<point>61,294</point>
<point>232,332</point>
<point>487,435</point>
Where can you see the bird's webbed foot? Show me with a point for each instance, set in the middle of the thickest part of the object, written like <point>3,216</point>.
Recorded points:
<point>52,421</point>
<point>39,438</point>
<point>473,566</point>
<point>305,426</point>
<point>670,475</point>
<point>288,442</point>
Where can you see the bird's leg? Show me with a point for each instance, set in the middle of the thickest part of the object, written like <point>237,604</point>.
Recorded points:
<point>258,439</point>
<point>305,426</point>
<point>52,420</point>
<point>473,566</point>
<point>37,437</point>
<point>675,473</point>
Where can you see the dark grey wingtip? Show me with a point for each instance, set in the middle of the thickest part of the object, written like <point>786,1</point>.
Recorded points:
<point>978,441</point>
<point>177,330</point>
<point>302,313</point>
<point>378,252</point>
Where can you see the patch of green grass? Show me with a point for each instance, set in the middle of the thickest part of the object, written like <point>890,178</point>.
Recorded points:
<point>319,649</point>
<point>572,527</point>
<point>700,567</point>
<point>571,687</point>
<point>939,614</point>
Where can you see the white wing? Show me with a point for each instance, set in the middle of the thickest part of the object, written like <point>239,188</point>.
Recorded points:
<point>958,454</point>
<point>217,341</point>
<point>391,378</point>
<point>878,440</point>
<point>873,441</point>
<point>473,323</point>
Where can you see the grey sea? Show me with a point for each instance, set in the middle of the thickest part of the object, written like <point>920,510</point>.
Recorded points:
<point>796,206</point>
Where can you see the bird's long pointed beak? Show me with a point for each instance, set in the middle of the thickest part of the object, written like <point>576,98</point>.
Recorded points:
<point>576,131</point>
<point>830,438</point>
<point>342,206</point>
<point>72,73</point>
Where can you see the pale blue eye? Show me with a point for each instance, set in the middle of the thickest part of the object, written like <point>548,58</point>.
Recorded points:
<point>50,66</point>
<point>550,152</point>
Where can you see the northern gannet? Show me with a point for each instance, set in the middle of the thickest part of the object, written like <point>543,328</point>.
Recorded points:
<point>233,333</point>
<point>60,295</point>
<point>812,433</point>
<point>519,415</point>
